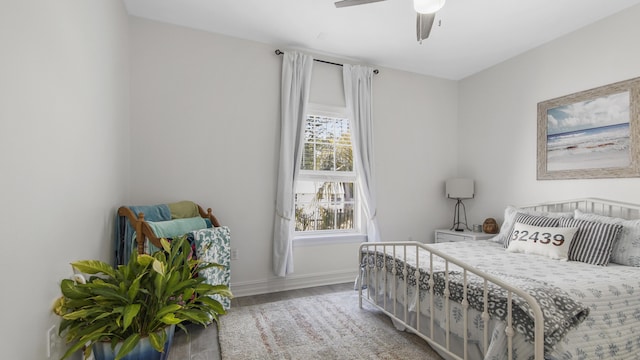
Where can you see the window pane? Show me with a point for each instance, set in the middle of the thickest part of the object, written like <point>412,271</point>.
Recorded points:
<point>324,157</point>
<point>307,157</point>
<point>309,129</point>
<point>327,144</point>
<point>322,206</point>
<point>304,218</point>
<point>344,218</point>
<point>344,158</point>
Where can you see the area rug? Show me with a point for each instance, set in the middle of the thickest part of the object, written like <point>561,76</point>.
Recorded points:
<point>330,326</point>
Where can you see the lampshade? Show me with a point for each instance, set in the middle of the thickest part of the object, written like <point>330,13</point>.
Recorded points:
<point>459,189</point>
<point>428,6</point>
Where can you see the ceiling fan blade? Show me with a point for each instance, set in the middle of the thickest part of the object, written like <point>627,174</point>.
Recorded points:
<point>344,3</point>
<point>424,23</point>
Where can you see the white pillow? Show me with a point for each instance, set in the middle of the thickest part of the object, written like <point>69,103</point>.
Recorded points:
<point>552,242</point>
<point>510,219</point>
<point>533,220</point>
<point>626,251</point>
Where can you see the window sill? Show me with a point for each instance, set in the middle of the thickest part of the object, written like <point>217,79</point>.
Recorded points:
<point>315,240</point>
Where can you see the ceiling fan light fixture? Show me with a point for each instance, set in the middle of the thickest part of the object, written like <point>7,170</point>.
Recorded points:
<point>428,6</point>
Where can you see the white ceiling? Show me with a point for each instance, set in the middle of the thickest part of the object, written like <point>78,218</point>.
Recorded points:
<point>473,34</point>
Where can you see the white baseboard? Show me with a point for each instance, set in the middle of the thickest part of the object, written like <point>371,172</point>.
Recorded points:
<point>291,282</point>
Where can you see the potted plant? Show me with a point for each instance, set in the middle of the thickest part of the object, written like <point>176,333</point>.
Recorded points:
<point>141,301</point>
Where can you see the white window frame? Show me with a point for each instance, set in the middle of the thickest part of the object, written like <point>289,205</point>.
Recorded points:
<point>323,237</point>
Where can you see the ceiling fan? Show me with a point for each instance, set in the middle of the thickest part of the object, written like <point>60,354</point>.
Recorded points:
<point>426,10</point>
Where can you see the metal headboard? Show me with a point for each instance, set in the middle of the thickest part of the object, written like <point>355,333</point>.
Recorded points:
<point>591,205</point>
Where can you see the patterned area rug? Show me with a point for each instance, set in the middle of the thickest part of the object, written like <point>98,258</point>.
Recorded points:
<point>323,327</point>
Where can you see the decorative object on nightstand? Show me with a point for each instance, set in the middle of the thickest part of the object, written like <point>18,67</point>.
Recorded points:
<point>459,189</point>
<point>443,235</point>
<point>490,226</point>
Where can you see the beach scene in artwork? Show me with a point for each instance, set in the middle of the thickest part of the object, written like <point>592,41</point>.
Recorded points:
<point>591,134</point>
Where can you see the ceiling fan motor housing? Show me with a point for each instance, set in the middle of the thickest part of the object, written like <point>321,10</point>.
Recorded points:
<point>428,6</point>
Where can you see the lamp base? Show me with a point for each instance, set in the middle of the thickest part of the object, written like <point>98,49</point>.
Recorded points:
<point>456,217</point>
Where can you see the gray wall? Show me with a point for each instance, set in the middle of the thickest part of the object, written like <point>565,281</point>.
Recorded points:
<point>64,138</point>
<point>498,114</point>
<point>205,126</point>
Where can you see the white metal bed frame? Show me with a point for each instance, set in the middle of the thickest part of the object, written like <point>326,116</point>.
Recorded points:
<point>590,205</point>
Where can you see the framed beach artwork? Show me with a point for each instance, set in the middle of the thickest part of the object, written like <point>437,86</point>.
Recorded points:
<point>591,134</point>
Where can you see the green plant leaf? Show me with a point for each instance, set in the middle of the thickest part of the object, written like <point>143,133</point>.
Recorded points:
<point>170,319</point>
<point>77,303</point>
<point>158,283</point>
<point>160,256</point>
<point>158,267</point>
<point>63,325</point>
<point>182,286</point>
<point>87,352</point>
<point>111,294</point>
<point>165,245</point>
<point>128,345</point>
<point>183,328</point>
<point>200,317</point>
<point>72,349</point>
<point>130,312</point>
<point>133,289</point>
<point>213,304</point>
<point>94,267</point>
<point>157,340</point>
<point>205,265</point>
<point>171,308</point>
<point>75,315</point>
<point>83,339</point>
<point>174,279</point>
<point>208,289</point>
<point>144,259</point>
<point>103,316</point>
<point>71,290</point>
<point>97,282</point>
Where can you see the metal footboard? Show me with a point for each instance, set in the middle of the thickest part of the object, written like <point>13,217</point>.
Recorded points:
<point>379,295</point>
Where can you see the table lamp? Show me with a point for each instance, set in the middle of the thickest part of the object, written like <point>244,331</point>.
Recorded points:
<point>459,189</point>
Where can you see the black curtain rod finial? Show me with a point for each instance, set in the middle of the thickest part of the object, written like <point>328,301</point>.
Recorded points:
<point>278,52</point>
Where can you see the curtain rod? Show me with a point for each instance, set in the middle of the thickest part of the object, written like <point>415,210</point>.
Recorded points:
<point>278,52</point>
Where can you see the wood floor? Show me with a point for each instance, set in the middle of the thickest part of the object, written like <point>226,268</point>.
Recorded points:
<point>202,343</point>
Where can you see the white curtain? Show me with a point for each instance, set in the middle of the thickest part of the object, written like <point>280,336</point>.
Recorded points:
<point>296,80</point>
<point>358,93</point>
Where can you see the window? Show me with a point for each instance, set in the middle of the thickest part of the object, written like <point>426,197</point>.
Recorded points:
<point>325,195</point>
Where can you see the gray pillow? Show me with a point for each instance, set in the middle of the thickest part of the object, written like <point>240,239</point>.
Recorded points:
<point>593,242</point>
<point>626,251</point>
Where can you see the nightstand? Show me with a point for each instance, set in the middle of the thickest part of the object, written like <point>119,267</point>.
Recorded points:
<point>443,235</point>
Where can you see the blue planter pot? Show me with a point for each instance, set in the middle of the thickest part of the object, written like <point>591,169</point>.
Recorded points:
<point>142,351</point>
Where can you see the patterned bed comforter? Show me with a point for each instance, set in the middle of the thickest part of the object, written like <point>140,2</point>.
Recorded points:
<point>606,298</point>
<point>561,311</point>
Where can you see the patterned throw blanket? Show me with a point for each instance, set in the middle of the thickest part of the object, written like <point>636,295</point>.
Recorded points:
<point>560,311</point>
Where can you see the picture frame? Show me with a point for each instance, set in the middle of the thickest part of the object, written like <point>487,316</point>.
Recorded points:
<point>590,134</point>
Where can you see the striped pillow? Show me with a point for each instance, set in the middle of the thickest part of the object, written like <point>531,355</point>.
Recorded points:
<point>593,242</point>
<point>508,220</point>
<point>626,250</point>
<point>534,220</point>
